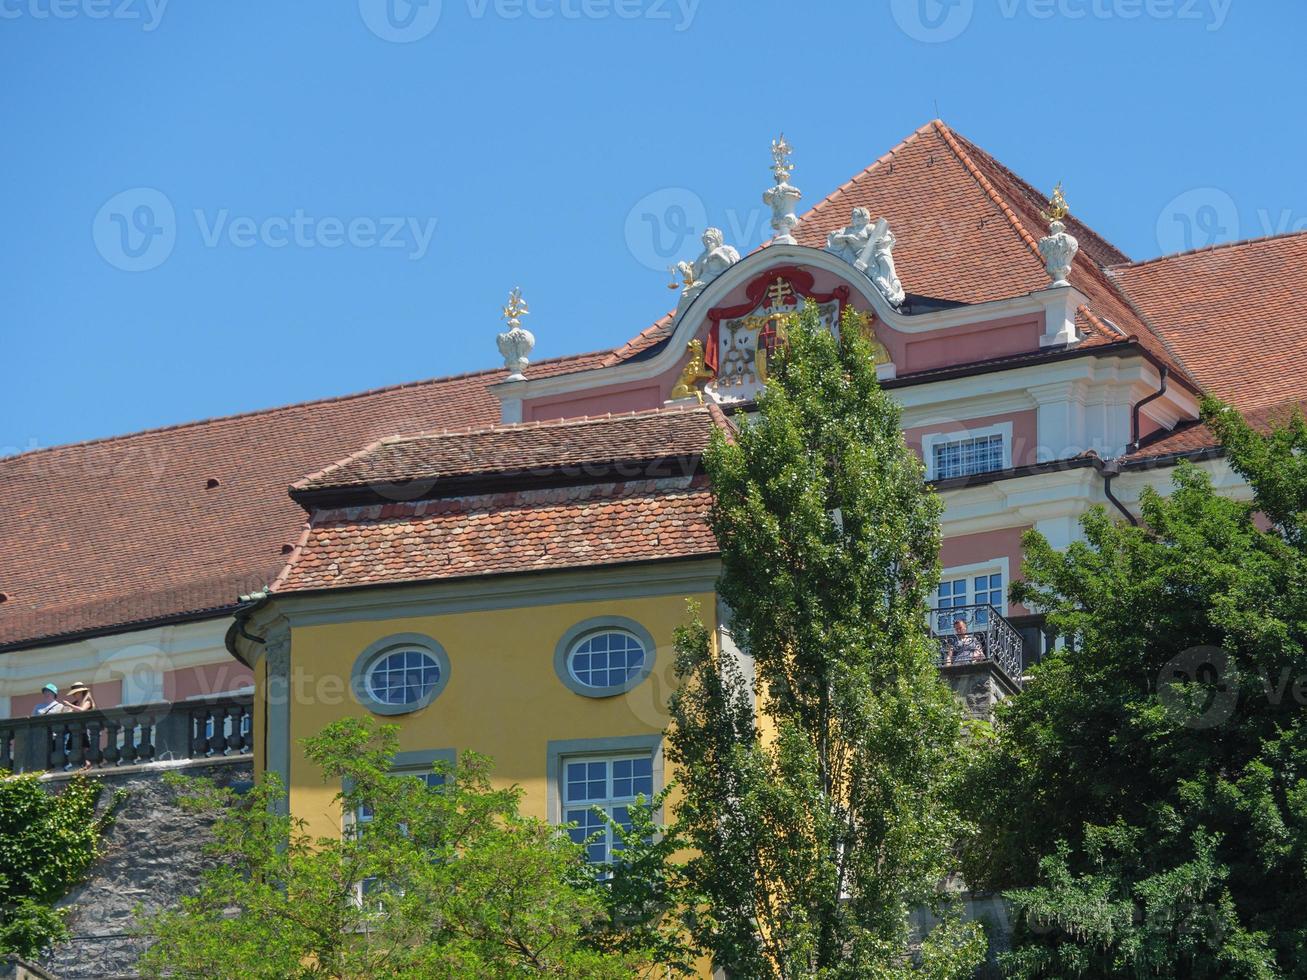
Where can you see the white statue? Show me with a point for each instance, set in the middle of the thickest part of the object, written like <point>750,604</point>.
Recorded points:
<point>516,343</point>
<point>715,259</point>
<point>782,198</point>
<point>869,248</point>
<point>1059,247</point>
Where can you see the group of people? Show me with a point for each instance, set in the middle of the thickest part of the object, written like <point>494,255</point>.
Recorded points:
<point>78,699</point>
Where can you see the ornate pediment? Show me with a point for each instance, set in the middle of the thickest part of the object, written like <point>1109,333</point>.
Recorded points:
<point>742,337</point>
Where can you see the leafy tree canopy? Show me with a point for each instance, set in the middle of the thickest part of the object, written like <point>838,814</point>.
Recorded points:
<point>1145,796</point>
<point>450,881</point>
<point>817,816</point>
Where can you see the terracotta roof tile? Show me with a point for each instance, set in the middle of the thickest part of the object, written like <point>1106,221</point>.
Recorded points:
<point>560,444</point>
<point>1233,313</point>
<point>495,534</point>
<point>116,532</point>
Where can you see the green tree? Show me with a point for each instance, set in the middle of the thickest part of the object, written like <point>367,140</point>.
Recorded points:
<point>817,817</point>
<point>48,841</point>
<point>1145,796</point>
<point>449,881</point>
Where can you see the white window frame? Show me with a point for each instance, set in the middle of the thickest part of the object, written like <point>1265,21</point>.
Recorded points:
<point>610,802</point>
<point>933,439</point>
<point>561,752</point>
<point>996,566</point>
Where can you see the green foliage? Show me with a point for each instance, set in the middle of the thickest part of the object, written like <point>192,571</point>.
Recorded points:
<point>465,885</point>
<point>1144,797</point>
<point>48,841</point>
<point>816,835</point>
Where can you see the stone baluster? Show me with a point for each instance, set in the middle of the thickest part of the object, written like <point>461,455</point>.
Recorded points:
<point>235,740</point>
<point>112,732</point>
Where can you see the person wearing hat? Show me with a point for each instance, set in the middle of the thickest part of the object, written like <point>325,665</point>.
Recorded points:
<point>79,698</point>
<point>53,705</point>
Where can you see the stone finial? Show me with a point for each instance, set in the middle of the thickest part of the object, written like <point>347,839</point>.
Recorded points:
<point>869,248</point>
<point>782,198</point>
<point>516,343</point>
<point>1058,247</point>
<point>715,259</point>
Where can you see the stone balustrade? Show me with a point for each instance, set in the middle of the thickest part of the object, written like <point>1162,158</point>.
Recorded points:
<point>201,728</point>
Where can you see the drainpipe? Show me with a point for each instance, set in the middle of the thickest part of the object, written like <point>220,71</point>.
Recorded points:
<point>1164,372</point>
<point>1109,471</point>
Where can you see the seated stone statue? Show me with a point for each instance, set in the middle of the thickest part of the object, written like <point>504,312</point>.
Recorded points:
<point>715,259</point>
<point>869,247</point>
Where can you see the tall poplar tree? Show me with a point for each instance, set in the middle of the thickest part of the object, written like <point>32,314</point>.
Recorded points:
<point>813,791</point>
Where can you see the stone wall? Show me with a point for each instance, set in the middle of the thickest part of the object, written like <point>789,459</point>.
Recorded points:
<point>153,856</point>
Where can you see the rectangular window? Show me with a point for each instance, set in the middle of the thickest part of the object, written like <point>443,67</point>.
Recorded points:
<point>357,820</point>
<point>965,593</point>
<point>967,456</point>
<point>611,784</point>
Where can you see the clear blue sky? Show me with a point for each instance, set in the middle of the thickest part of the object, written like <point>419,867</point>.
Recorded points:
<point>528,131</point>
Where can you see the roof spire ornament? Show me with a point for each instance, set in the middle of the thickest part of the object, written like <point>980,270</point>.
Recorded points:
<point>516,343</point>
<point>782,198</point>
<point>1059,247</point>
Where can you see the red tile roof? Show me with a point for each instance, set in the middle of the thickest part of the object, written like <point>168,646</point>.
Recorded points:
<point>577,445</point>
<point>122,531</point>
<point>622,511</point>
<point>1233,314</point>
<point>493,534</point>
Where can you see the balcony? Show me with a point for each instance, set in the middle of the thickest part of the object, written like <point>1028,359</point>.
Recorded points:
<point>977,640</point>
<point>203,728</point>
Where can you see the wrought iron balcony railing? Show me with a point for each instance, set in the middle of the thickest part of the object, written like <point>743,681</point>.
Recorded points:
<point>976,634</point>
<point>202,728</point>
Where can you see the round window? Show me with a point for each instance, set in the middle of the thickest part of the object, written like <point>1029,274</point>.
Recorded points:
<point>400,673</point>
<point>610,659</point>
<point>403,677</point>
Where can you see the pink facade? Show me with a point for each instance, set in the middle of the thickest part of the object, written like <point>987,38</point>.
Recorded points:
<point>983,548</point>
<point>1024,432</point>
<point>220,678</point>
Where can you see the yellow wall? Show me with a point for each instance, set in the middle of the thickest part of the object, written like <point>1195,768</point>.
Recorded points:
<point>503,697</point>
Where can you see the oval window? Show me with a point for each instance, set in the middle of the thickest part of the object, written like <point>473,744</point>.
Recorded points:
<point>403,677</point>
<point>608,659</point>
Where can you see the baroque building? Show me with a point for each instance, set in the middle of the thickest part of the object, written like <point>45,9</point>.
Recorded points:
<point>497,561</point>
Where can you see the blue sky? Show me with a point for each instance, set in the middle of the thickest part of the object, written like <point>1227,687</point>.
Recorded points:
<point>212,207</point>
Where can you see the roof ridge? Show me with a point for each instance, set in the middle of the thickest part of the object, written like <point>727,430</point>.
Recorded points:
<point>1005,206</point>
<point>1112,270</point>
<point>866,171</point>
<point>330,399</point>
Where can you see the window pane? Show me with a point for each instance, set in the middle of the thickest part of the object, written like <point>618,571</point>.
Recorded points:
<point>606,659</point>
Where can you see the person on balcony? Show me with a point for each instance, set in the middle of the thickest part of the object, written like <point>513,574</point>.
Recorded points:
<point>965,647</point>
<point>79,698</point>
<point>53,705</point>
